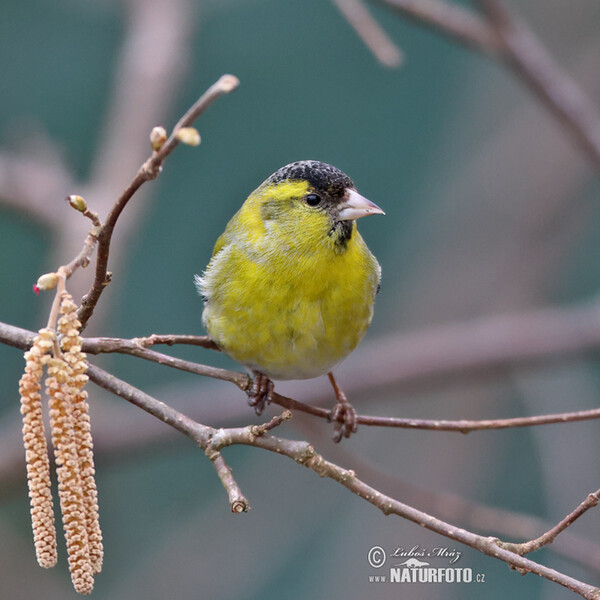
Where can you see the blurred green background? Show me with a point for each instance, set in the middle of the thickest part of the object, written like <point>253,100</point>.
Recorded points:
<point>489,209</point>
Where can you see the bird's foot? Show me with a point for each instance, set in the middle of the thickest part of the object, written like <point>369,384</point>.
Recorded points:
<point>343,414</point>
<point>259,395</point>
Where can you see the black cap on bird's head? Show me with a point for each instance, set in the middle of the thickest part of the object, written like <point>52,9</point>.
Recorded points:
<point>320,175</point>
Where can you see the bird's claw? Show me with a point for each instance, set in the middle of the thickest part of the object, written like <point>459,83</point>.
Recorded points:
<point>343,414</point>
<point>345,421</point>
<point>259,395</point>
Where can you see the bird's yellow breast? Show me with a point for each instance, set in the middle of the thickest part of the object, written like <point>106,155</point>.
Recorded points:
<point>283,298</point>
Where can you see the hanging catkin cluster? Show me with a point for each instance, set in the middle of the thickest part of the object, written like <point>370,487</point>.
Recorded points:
<point>36,451</point>
<point>73,450</point>
<point>69,326</point>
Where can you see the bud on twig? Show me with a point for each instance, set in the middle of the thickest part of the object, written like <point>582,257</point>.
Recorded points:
<point>47,281</point>
<point>189,136</point>
<point>158,136</point>
<point>77,202</point>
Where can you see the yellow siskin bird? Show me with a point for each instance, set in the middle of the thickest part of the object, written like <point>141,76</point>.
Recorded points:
<point>290,288</point>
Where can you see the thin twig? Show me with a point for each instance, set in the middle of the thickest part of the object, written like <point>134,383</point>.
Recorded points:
<point>460,426</point>
<point>83,258</point>
<point>148,171</point>
<point>238,503</point>
<point>93,217</point>
<point>54,309</point>
<point>133,348</point>
<point>485,345</point>
<point>550,535</point>
<point>22,338</point>
<point>466,426</point>
<point>130,347</point>
<point>149,69</point>
<point>276,421</point>
<point>97,345</point>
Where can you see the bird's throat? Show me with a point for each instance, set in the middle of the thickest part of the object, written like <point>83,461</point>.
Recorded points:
<point>341,233</point>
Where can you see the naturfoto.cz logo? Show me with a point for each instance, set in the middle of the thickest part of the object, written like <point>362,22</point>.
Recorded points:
<point>420,565</point>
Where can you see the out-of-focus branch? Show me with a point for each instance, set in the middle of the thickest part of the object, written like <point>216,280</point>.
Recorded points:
<point>31,184</point>
<point>479,346</point>
<point>148,70</point>
<point>370,32</point>
<point>151,62</point>
<point>502,34</point>
<point>449,19</point>
<point>523,52</point>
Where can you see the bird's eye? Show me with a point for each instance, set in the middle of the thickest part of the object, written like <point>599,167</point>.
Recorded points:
<point>313,199</point>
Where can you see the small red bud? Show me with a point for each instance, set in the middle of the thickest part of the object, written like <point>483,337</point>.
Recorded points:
<point>36,289</point>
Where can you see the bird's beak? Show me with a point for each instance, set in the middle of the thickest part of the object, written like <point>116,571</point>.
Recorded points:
<point>356,206</point>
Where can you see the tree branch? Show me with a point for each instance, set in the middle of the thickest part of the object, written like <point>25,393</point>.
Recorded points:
<point>504,36</point>
<point>528,58</point>
<point>237,501</point>
<point>453,507</point>
<point>548,537</point>
<point>451,20</point>
<point>148,171</point>
<point>102,344</point>
<point>31,184</point>
<point>303,453</point>
<point>213,441</point>
<point>22,338</point>
<point>132,347</point>
<point>485,345</point>
<point>149,69</point>
<point>135,347</point>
